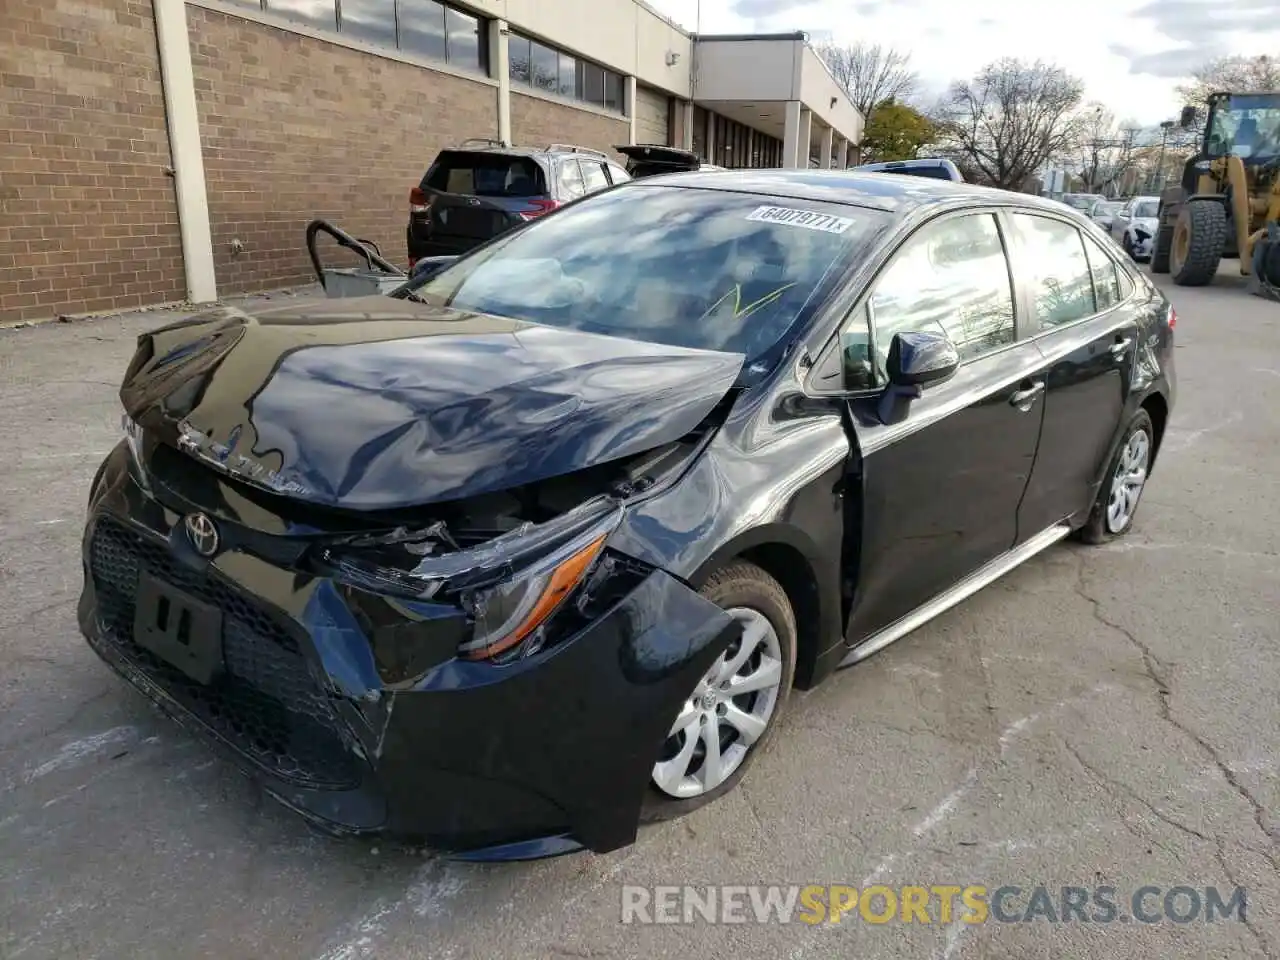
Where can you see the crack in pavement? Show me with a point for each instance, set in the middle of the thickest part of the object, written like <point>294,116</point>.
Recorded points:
<point>1158,672</point>
<point>1118,789</point>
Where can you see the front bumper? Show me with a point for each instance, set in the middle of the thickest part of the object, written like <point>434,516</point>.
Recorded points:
<point>1142,245</point>
<point>324,697</point>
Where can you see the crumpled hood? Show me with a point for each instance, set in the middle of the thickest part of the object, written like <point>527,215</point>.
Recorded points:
<point>375,403</point>
<point>1146,224</point>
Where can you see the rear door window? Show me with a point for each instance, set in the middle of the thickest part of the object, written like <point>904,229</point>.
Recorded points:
<point>570,180</point>
<point>593,175</point>
<point>485,175</point>
<point>1106,276</point>
<point>1057,269</point>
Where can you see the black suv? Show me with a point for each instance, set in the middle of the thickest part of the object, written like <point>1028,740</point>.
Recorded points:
<point>482,188</point>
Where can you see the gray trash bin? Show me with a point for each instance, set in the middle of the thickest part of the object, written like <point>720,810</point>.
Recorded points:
<point>359,282</point>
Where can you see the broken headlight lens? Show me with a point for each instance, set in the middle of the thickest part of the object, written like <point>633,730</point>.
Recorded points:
<point>508,613</point>
<point>133,439</point>
<point>510,585</point>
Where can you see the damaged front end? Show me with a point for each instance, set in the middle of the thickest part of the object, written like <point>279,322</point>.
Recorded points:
<point>478,671</point>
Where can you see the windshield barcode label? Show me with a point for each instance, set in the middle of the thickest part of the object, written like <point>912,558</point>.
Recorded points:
<point>801,218</point>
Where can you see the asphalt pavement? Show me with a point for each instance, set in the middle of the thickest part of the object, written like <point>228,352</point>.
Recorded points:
<point>1103,716</point>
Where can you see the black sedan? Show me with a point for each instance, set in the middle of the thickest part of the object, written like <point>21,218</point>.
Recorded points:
<point>534,550</point>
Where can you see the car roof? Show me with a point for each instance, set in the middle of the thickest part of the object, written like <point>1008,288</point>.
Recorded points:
<point>519,150</point>
<point>898,195</point>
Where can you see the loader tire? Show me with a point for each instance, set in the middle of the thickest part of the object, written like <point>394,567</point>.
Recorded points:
<point>1198,242</point>
<point>1160,248</point>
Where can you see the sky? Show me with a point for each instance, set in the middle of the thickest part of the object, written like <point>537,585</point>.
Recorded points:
<point>1129,53</point>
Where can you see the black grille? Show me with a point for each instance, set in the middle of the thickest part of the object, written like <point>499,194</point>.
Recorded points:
<point>266,703</point>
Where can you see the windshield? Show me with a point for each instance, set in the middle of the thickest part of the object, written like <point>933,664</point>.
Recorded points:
<point>697,268</point>
<point>1106,208</point>
<point>1246,125</point>
<point>1081,201</point>
<point>1146,210</point>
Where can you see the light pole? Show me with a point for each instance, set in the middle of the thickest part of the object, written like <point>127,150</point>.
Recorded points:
<point>1165,127</point>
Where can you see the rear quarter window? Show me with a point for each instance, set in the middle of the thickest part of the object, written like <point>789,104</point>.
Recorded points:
<point>486,175</point>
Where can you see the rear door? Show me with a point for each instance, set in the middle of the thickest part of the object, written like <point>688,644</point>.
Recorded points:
<point>1078,299</point>
<point>941,487</point>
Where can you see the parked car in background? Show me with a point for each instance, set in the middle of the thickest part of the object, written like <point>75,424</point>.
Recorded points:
<point>651,159</point>
<point>474,192</point>
<point>535,548</point>
<point>1135,224</point>
<point>1103,212</point>
<point>933,168</point>
<point>1081,201</point>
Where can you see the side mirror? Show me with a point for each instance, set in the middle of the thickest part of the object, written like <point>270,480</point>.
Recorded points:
<point>920,359</point>
<point>915,361</point>
<point>1188,117</point>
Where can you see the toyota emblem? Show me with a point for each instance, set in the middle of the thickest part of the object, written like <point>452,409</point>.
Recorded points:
<point>202,534</point>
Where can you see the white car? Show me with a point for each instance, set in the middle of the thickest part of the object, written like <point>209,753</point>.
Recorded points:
<point>1134,227</point>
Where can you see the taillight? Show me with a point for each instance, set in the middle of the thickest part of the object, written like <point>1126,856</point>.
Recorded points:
<point>417,200</point>
<point>1173,318</point>
<point>539,208</point>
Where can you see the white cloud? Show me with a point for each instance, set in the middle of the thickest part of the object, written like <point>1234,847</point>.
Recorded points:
<point>949,40</point>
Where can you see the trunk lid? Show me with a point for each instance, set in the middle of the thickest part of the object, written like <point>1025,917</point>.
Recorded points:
<point>647,160</point>
<point>379,404</point>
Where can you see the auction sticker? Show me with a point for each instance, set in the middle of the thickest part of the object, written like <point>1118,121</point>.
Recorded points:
<point>792,217</point>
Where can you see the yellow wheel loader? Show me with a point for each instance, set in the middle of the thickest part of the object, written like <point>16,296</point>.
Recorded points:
<point>1228,202</point>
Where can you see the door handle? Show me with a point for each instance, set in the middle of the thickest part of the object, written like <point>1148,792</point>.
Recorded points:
<point>1023,398</point>
<point>1120,346</point>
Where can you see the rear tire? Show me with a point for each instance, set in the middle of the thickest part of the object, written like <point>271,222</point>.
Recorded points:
<point>750,592</point>
<point>1160,248</point>
<point>1199,239</point>
<point>1121,491</point>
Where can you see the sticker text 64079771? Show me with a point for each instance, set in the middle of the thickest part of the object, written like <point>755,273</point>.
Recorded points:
<point>808,219</point>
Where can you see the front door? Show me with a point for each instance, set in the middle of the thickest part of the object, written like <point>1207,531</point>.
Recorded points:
<point>941,486</point>
<point>1075,297</point>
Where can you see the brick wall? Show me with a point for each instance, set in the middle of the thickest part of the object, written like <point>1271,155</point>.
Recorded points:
<point>88,219</point>
<point>536,122</point>
<point>295,128</point>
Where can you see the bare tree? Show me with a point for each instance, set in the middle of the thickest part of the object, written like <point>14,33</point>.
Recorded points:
<point>1105,149</point>
<point>1009,119</point>
<point>870,74</point>
<point>1233,75</point>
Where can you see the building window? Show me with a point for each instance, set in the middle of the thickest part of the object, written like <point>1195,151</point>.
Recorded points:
<point>373,21</point>
<point>323,16</point>
<point>465,35</point>
<point>424,28</point>
<point>550,70</point>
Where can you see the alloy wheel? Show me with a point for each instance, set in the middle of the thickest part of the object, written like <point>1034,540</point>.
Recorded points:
<point>727,712</point>
<point>1128,480</point>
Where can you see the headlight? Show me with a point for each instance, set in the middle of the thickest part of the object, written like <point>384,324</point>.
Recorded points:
<point>133,438</point>
<point>510,585</point>
<point>507,613</point>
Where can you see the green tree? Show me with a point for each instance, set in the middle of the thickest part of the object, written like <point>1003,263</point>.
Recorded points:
<point>895,131</point>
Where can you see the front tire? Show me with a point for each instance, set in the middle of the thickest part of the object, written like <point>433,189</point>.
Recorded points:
<point>1117,502</point>
<point>1199,239</point>
<point>734,708</point>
